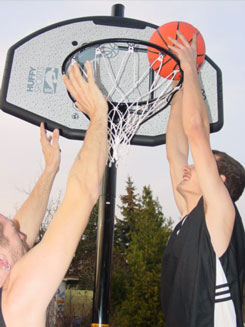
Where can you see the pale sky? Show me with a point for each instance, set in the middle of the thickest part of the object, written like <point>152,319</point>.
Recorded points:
<point>221,24</point>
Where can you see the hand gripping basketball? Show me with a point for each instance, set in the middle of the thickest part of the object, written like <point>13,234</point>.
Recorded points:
<point>161,38</point>
<point>185,52</point>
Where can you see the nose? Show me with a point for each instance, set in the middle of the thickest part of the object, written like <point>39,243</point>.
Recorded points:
<point>186,169</point>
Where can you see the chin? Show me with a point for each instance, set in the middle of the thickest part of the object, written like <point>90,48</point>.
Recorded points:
<point>181,187</point>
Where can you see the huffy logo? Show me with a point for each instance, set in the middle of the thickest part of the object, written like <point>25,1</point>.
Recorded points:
<point>42,80</point>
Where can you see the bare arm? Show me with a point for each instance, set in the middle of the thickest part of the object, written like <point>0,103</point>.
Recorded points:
<point>219,207</point>
<point>42,269</point>
<point>177,149</point>
<point>30,216</point>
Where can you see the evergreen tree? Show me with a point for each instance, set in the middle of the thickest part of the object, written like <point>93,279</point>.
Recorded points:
<point>125,226</point>
<point>122,239</point>
<point>141,306</point>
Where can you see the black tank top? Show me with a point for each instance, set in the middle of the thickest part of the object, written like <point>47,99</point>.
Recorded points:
<point>2,323</point>
<point>189,272</point>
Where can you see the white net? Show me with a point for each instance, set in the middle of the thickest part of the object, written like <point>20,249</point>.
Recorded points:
<point>134,90</point>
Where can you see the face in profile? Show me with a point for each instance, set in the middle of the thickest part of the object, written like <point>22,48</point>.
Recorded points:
<point>189,183</point>
<point>12,241</point>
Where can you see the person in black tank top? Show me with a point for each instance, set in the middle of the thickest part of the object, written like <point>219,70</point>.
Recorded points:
<point>208,245</point>
<point>188,271</point>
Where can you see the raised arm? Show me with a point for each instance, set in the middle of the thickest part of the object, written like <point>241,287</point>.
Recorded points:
<point>42,269</point>
<point>177,149</point>
<point>30,216</point>
<point>218,204</point>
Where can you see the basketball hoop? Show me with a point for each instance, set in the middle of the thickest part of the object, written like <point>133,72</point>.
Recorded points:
<point>133,89</point>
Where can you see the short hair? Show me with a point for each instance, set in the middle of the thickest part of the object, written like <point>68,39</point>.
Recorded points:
<point>234,173</point>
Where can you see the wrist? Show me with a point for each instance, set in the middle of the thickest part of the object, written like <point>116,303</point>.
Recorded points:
<point>190,69</point>
<point>100,115</point>
<point>50,172</point>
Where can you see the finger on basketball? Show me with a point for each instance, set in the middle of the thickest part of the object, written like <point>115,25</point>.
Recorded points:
<point>194,42</point>
<point>174,49</point>
<point>175,42</point>
<point>183,39</point>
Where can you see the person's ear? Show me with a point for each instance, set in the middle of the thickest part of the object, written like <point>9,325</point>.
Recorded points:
<point>4,264</point>
<point>223,178</point>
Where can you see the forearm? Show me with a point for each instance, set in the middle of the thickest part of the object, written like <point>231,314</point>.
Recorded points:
<point>32,212</point>
<point>88,169</point>
<point>194,112</point>
<point>177,149</point>
<point>176,139</point>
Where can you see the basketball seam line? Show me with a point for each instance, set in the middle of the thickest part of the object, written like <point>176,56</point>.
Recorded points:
<point>177,29</point>
<point>163,39</point>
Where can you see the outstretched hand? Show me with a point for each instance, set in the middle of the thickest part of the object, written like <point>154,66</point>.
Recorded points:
<point>50,149</point>
<point>87,95</point>
<point>186,53</point>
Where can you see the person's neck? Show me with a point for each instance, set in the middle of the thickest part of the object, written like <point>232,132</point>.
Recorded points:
<point>3,277</point>
<point>191,201</point>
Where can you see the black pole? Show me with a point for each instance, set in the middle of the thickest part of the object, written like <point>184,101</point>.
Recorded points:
<point>105,233</point>
<point>100,316</point>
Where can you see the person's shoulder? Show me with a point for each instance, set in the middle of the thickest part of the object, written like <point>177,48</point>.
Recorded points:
<point>19,311</point>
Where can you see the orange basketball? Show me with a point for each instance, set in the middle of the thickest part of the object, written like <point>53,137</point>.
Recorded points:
<point>160,37</point>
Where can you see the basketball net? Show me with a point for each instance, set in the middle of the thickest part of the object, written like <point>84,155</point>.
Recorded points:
<point>126,115</point>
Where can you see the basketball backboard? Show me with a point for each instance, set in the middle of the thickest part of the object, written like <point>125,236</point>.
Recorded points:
<point>33,89</point>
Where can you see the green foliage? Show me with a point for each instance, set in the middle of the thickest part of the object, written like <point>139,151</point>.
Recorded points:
<point>140,237</point>
<point>125,226</point>
<point>136,298</point>
<point>122,238</point>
